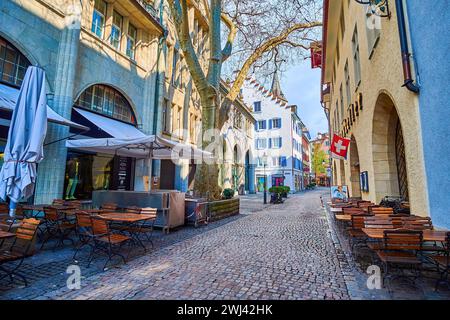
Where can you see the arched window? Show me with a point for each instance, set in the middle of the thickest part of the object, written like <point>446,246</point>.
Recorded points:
<point>13,64</point>
<point>108,101</point>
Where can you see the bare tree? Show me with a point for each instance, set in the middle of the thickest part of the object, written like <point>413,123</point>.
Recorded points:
<point>261,31</point>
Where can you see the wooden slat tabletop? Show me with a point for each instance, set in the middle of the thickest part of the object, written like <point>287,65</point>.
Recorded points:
<point>126,217</point>
<point>428,235</point>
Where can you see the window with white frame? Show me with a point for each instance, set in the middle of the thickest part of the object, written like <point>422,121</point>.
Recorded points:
<point>261,143</point>
<point>257,106</point>
<point>347,83</point>
<point>131,41</point>
<point>98,18</point>
<point>356,57</point>
<point>276,123</point>
<point>276,143</point>
<point>116,30</point>
<point>262,125</point>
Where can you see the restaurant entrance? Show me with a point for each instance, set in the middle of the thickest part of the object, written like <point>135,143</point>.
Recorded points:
<point>86,173</point>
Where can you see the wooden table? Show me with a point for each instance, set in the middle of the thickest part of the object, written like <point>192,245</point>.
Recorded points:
<point>344,217</point>
<point>125,217</point>
<point>428,235</point>
<point>6,235</point>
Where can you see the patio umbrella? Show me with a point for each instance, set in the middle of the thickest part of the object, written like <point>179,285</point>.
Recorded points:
<point>24,148</point>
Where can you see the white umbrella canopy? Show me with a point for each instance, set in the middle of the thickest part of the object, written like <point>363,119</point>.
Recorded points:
<point>143,147</point>
<point>27,131</point>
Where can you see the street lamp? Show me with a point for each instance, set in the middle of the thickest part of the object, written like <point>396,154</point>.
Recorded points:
<point>264,159</point>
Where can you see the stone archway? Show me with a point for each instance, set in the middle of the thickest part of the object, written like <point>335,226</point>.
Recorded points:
<point>355,171</point>
<point>388,151</point>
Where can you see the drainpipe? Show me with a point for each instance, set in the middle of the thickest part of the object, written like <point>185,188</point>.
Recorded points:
<point>406,55</point>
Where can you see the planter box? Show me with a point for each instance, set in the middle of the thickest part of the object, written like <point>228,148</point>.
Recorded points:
<point>223,208</point>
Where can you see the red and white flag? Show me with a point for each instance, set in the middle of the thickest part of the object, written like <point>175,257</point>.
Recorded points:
<point>339,147</point>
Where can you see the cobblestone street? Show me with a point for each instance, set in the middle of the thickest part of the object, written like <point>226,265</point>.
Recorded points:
<point>286,251</point>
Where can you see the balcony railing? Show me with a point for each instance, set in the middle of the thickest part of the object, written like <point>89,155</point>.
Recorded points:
<point>148,6</point>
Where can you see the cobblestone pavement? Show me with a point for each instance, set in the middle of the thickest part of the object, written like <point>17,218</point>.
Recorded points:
<point>287,251</point>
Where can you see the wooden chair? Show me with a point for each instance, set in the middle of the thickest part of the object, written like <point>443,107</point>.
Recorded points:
<point>442,263</point>
<point>380,210</point>
<point>146,227</point>
<point>109,206</point>
<point>356,235</point>
<point>401,247</point>
<point>56,226</point>
<point>133,209</point>
<point>418,223</point>
<point>4,208</point>
<point>20,249</point>
<point>106,241</point>
<point>83,230</point>
<point>58,202</point>
<point>74,203</point>
<point>352,211</point>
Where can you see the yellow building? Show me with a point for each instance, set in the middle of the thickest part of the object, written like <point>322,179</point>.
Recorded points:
<point>363,91</point>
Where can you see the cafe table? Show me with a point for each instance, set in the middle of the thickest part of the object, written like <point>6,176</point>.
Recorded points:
<point>344,217</point>
<point>428,235</point>
<point>128,219</point>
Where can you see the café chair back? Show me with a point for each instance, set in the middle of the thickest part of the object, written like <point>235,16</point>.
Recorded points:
<point>20,249</point>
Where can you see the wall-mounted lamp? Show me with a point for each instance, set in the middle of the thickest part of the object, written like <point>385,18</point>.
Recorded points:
<point>377,7</point>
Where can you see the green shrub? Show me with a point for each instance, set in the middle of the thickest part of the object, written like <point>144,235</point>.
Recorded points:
<point>228,194</point>
<point>287,189</point>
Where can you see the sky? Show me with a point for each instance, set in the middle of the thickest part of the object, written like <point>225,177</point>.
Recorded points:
<point>301,86</point>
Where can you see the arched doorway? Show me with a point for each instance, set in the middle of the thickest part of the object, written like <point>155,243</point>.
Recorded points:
<point>354,170</point>
<point>389,159</point>
<point>236,169</point>
<point>247,171</point>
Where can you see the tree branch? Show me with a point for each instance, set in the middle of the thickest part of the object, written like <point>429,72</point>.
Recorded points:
<point>265,47</point>
<point>228,49</point>
<point>179,12</point>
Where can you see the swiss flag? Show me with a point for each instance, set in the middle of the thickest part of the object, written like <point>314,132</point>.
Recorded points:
<point>339,147</point>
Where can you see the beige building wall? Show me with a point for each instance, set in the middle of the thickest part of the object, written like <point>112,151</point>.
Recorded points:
<point>383,96</point>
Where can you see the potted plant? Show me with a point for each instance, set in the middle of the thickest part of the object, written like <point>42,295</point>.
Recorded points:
<point>228,194</point>
<point>276,195</point>
<point>286,191</point>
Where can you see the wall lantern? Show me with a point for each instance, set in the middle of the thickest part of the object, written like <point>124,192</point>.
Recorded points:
<point>377,7</point>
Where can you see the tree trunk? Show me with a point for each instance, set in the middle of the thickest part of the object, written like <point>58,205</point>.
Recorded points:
<point>207,174</point>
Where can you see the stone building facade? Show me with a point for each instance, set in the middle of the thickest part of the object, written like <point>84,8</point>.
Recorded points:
<point>99,56</point>
<point>367,103</point>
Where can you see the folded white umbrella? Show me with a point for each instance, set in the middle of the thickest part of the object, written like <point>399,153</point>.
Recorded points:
<point>27,131</point>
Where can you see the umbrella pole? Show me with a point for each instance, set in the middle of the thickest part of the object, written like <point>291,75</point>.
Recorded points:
<point>12,209</point>
<point>150,178</point>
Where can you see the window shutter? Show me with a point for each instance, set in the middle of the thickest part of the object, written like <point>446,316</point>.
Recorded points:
<point>270,143</point>
<point>281,142</point>
<point>283,162</point>
<point>270,124</point>
<point>264,124</point>
<point>256,126</point>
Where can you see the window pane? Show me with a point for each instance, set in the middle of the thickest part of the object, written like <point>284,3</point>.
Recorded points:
<point>100,6</point>
<point>115,37</point>
<point>98,22</point>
